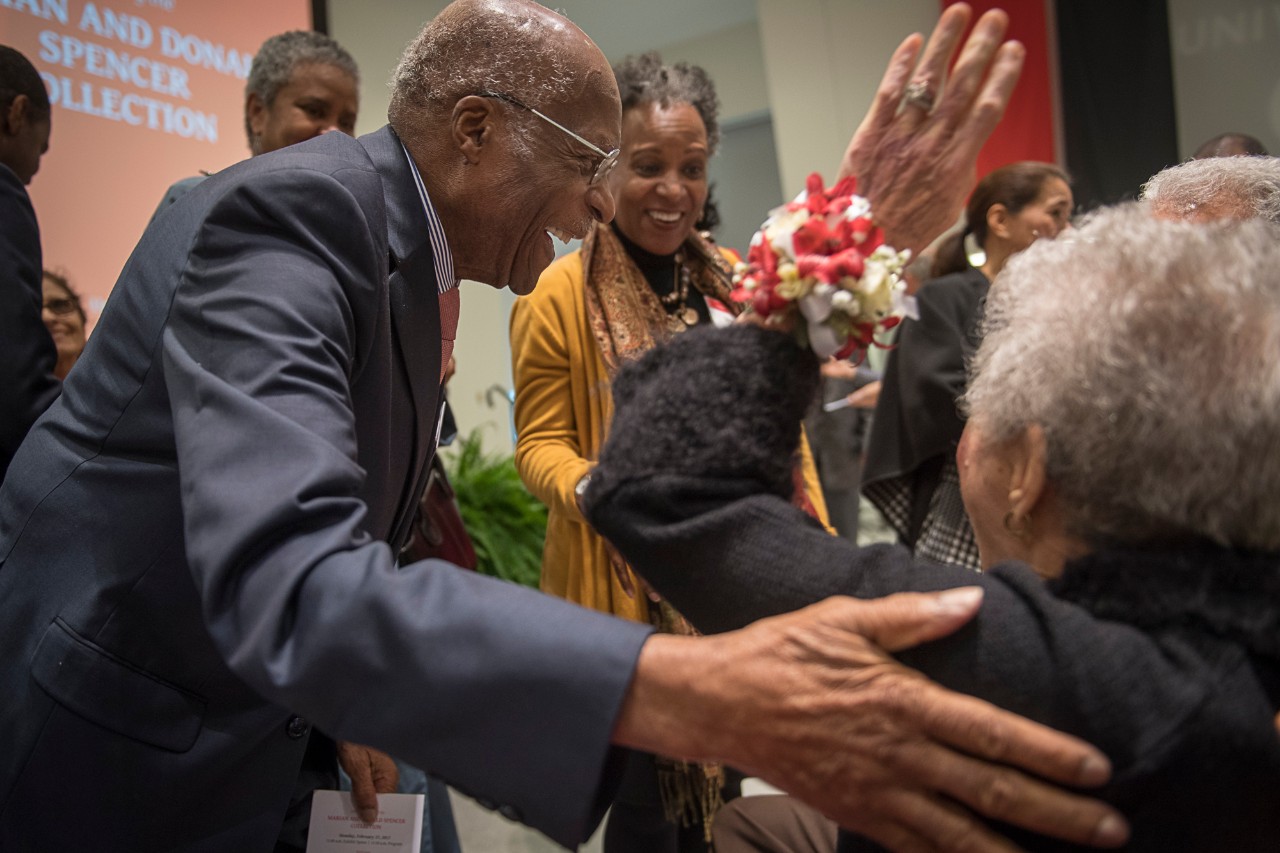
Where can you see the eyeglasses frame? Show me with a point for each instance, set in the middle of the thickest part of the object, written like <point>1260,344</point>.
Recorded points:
<point>610,158</point>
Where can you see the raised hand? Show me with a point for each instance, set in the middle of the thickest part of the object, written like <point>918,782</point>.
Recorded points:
<point>915,153</point>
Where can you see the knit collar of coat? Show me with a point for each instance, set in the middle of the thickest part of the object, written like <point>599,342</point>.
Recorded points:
<point>1229,592</point>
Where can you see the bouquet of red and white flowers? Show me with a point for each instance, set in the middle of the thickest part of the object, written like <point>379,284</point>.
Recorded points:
<point>823,258</point>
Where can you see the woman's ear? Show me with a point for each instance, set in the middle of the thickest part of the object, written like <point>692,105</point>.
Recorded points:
<point>998,221</point>
<point>473,126</point>
<point>1028,459</point>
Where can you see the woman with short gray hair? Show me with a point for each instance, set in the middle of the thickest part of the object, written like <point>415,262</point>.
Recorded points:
<point>1121,465</point>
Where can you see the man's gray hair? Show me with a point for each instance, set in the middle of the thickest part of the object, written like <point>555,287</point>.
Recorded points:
<point>1146,349</point>
<point>1238,186</point>
<point>279,55</point>
<point>500,48</point>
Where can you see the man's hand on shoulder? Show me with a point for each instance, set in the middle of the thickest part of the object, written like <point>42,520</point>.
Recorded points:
<point>812,703</point>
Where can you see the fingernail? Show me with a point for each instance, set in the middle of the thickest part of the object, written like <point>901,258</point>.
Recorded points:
<point>1111,831</point>
<point>956,601</point>
<point>369,815</point>
<point>1094,770</point>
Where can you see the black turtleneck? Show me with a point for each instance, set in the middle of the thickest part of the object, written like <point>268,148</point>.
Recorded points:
<point>660,272</point>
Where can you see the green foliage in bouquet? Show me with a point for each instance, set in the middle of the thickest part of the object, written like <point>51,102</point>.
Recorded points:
<point>507,525</point>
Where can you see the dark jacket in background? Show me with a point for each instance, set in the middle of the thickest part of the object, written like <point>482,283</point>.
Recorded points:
<point>27,353</point>
<point>917,422</point>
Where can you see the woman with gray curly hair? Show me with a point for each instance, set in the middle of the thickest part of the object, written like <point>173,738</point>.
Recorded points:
<point>1121,465</point>
<point>301,84</point>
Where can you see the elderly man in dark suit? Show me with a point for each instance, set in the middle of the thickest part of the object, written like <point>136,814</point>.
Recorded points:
<point>199,541</point>
<point>27,354</point>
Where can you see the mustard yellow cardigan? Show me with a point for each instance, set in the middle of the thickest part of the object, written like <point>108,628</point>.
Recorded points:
<point>562,412</point>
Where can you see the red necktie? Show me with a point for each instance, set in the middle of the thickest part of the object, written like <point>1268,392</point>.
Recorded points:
<point>449,308</point>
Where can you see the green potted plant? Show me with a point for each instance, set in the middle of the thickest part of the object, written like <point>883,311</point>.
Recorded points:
<point>507,525</point>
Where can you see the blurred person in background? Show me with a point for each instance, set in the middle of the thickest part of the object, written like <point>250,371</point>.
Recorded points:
<point>910,473</point>
<point>65,319</point>
<point>301,84</point>
<point>27,356</point>
<point>1230,145</point>
<point>1216,188</point>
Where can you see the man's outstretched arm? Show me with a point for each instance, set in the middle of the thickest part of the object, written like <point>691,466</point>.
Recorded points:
<point>812,703</point>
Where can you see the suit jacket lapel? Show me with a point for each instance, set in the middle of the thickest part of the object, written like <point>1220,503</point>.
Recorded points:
<point>415,308</point>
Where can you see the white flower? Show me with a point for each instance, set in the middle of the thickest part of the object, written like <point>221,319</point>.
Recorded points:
<point>816,306</point>
<point>843,300</point>
<point>904,305</point>
<point>858,206</point>
<point>823,341</point>
<point>779,227</point>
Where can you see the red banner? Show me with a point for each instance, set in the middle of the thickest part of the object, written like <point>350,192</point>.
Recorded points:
<point>1027,130</point>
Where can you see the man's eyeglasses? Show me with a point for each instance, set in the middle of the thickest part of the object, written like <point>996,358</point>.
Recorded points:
<point>62,306</point>
<point>610,157</point>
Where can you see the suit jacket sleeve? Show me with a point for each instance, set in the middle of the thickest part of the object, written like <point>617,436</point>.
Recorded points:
<point>27,354</point>
<point>503,692</point>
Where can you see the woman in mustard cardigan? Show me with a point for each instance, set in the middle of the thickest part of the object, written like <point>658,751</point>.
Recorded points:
<point>634,285</point>
<point>652,274</point>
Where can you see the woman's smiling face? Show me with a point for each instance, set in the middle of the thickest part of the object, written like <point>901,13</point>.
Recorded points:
<point>660,184</point>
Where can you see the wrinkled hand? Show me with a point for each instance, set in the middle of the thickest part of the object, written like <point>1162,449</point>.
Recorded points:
<point>372,773</point>
<point>810,703</point>
<point>918,166</point>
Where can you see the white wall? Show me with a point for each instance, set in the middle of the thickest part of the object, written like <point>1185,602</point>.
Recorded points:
<point>824,59</point>
<point>1226,70</point>
<point>734,58</point>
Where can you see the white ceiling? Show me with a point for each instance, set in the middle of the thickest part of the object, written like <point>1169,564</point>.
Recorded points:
<point>621,27</point>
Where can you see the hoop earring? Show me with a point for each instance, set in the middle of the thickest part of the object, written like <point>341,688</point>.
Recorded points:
<point>973,251</point>
<point>1018,526</point>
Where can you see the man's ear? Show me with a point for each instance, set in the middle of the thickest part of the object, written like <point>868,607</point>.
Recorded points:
<point>17,116</point>
<point>998,220</point>
<point>473,126</point>
<point>1028,459</point>
<point>255,110</point>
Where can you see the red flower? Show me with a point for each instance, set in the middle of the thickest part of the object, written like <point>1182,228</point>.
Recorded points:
<point>846,187</point>
<point>761,302</point>
<point>811,237</point>
<point>807,266</point>
<point>816,199</point>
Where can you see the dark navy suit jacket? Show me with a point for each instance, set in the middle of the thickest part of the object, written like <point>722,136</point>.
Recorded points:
<point>198,542</point>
